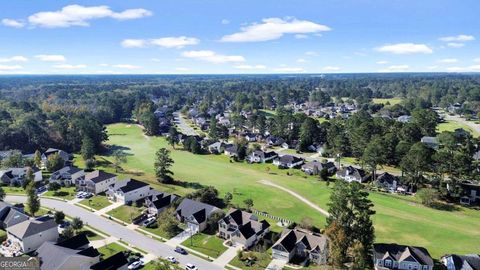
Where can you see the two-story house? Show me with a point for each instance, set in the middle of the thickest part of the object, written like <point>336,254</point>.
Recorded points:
<point>16,176</point>
<point>159,201</point>
<point>352,174</point>
<point>32,233</point>
<point>302,244</point>
<point>394,256</point>
<point>128,191</point>
<point>67,176</point>
<point>242,228</point>
<point>96,182</point>
<point>195,214</point>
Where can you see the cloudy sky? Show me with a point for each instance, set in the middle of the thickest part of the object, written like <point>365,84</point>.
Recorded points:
<point>247,36</point>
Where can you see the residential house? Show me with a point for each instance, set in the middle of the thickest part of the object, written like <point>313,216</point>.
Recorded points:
<point>70,254</point>
<point>11,215</point>
<point>315,167</point>
<point>216,147</point>
<point>231,150</point>
<point>67,158</point>
<point>251,137</point>
<point>471,193</point>
<point>352,174</point>
<point>96,182</point>
<point>461,262</point>
<point>389,182</point>
<point>117,261</point>
<point>159,201</point>
<point>431,142</point>
<point>288,161</point>
<point>259,156</point>
<point>67,175</point>
<point>195,214</point>
<point>242,228</point>
<point>394,256</point>
<point>274,141</point>
<point>404,119</point>
<point>32,233</point>
<point>128,191</point>
<point>303,244</point>
<point>16,176</point>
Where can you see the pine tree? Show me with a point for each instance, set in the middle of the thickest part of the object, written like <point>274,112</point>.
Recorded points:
<point>33,202</point>
<point>88,148</point>
<point>162,165</point>
<point>37,159</point>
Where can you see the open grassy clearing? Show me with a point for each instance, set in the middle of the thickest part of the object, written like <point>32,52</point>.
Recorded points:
<point>210,245</point>
<point>66,193</point>
<point>125,213</point>
<point>397,219</point>
<point>452,125</point>
<point>392,101</point>
<point>111,249</point>
<point>260,263</point>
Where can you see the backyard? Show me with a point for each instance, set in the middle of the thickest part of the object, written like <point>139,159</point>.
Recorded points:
<point>393,220</point>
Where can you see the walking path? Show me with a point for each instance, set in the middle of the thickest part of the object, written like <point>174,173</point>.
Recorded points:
<point>108,208</point>
<point>296,195</point>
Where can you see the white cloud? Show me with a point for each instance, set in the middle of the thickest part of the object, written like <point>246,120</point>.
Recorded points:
<point>382,62</point>
<point>311,53</point>
<point>77,15</point>
<point>166,42</point>
<point>10,67</point>
<point>13,23</point>
<point>455,45</point>
<point>155,60</point>
<point>17,58</point>
<point>211,56</point>
<point>448,60</point>
<point>301,36</point>
<point>301,60</point>
<point>133,43</point>
<point>476,60</point>
<point>68,66</point>
<point>274,28</point>
<point>474,68</point>
<point>432,67</point>
<point>250,67</point>
<point>126,66</point>
<point>225,21</point>
<point>51,57</point>
<point>395,68</point>
<point>289,69</point>
<point>405,48</point>
<point>459,38</point>
<point>331,68</point>
<point>174,42</point>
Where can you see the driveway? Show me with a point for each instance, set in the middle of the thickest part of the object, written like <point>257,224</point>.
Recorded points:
<point>179,238</point>
<point>296,195</point>
<point>183,126</point>
<point>276,265</point>
<point>135,239</point>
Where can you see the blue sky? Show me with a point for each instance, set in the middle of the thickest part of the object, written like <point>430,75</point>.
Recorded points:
<point>268,36</point>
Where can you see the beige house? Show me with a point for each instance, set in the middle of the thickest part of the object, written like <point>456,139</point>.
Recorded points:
<point>32,233</point>
<point>96,182</point>
<point>302,244</point>
<point>242,228</point>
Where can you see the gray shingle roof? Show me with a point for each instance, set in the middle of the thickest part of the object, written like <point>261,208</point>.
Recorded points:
<point>402,253</point>
<point>98,176</point>
<point>31,227</point>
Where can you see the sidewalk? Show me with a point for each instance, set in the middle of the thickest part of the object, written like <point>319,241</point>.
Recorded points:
<point>227,256</point>
<point>276,265</point>
<point>108,208</point>
<point>179,238</point>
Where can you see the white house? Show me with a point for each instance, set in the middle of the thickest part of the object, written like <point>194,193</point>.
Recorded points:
<point>96,182</point>
<point>288,161</point>
<point>31,234</point>
<point>259,156</point>
<point>128,191</point>
<point>394,256</point>
<point>195,214</point>
<point>12,176</point>
<point>67,175</point>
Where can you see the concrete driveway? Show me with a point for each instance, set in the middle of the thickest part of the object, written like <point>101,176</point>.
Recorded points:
<point>116,230</point>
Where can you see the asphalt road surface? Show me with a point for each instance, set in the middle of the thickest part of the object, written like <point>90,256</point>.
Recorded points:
<point>114,229</point>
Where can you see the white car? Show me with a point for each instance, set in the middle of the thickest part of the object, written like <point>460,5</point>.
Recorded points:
<point>149,221</point>
<point>171,259</point>
<point>135,265</point>
<point>190,266</point>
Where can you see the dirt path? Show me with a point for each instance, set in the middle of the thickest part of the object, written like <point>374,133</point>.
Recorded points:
<point>296,195</point>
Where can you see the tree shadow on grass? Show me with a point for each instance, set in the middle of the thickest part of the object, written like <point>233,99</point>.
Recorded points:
<point>445,206</point>
<point>184,184</point>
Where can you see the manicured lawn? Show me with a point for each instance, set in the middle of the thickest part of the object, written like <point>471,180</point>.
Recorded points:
<point>111,249</point>
<point>397,220</point>
<point>66,193</point>
<point>452,125</point>
<point>125,213</point>
<point>96,202</point>
<point>91,235</point>
<point>162,233</point>
<point>392,101</point>
<point>206,244</point>
<point>261,262</point>
<point>13,190</point>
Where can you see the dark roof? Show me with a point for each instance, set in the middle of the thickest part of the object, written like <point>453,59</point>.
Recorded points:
<point>200,216</point>
<point>247,231</point>
<point>190,207</point>
<point>290,159</point>
<point>465,262</point>
<point>90,252</point>
<point>312,241</point>
<point>349,170</point>
<point>75,242</point>
<point>163,202</point>
<point>387,178</point>
<point>133,184</point>
<point>98,176</point>
<point>111,263</point>
<point>402,253</point>
<point>32,226</point>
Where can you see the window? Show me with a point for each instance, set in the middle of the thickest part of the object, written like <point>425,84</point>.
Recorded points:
<point>388,263</point>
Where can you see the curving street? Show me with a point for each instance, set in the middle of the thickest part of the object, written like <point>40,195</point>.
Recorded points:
<point>112,228</point>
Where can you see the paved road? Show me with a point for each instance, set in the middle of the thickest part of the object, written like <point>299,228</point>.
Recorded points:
<point>296,195</point>
<point>457,118</point>
<point>133,238</point>
<point>183,126</point>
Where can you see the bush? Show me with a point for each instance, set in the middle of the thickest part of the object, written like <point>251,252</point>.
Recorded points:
<point>428,196</point>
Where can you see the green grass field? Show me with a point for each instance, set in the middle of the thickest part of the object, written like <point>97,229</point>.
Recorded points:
<point>66,193</point>
<point>452,125</point>
<point>261,262</point>
<point>96,202</point>
<point>111,249</point>
<point>397,220</point>
<point>125,213</point>
<point>207,244</point>
<point>392,101</point>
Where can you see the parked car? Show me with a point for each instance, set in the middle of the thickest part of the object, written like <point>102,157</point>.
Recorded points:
<point>64,224</point>
<point>171,259</point>
<point>135,265</point>
<point>88,195</point>
<point>181,250</point>
<point>190,266</point>
<point>149,221</point>
<point>81,195</point>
